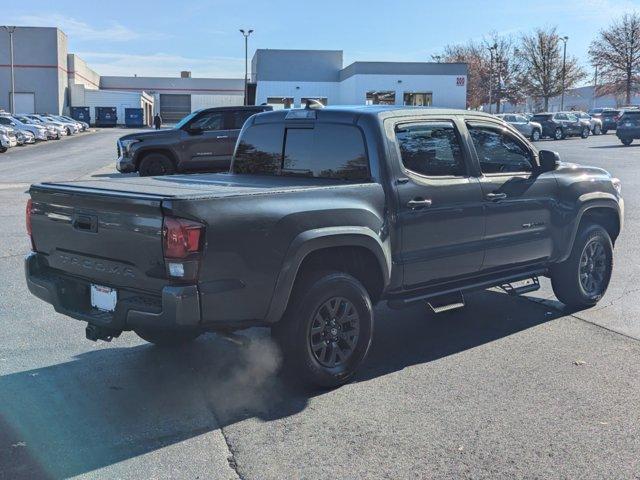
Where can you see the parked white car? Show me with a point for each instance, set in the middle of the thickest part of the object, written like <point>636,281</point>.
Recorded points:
<point>7,138</point>
<point>59,129</point>
<point>71,127</point>
<point>39,131</point>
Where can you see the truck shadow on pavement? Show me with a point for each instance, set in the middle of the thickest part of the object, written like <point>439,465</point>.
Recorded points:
<point>114,403</point>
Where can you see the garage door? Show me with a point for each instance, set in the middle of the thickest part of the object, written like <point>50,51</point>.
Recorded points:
<point>174,107</point>
<point>25,103</point>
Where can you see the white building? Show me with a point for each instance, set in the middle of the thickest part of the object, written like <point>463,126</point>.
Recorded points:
<point>49,79</point>
<point>285,78</point>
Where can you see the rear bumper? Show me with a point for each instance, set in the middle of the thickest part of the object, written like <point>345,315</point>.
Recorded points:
<point>175,307</point>
<point>626,132</point>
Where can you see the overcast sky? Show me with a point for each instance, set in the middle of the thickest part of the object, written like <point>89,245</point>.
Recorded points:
<point>160,38</point>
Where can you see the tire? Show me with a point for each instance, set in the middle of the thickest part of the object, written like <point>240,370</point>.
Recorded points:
<point>168,338</point>
<point>320,307</point>
<point>585,132</point>
<point>3,149</point>
<point>558,134</point>
<point>571,279</point>
<point>597,130</point>
<point>604,131</point>
<point>156,164</point>
<point>535,135</point>
<point>626,141</point>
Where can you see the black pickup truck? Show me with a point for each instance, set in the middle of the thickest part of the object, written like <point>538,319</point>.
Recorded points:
<point>203,141</point>
<point>324,213</point>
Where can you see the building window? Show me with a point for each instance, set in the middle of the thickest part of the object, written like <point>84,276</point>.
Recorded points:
<point>322,100</point>
<point>381,98</point>
<point>418,99</point>
<point>279,103</point>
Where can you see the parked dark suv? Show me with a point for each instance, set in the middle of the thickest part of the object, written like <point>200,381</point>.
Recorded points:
<point>628,128</point>
<point>561,125</point>
<point>609,119</point>
<point>202,141</point>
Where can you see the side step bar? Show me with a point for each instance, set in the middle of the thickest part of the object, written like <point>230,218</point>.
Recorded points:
<point>523,286</point>
<point>446,303</point>
<point>429,295</point>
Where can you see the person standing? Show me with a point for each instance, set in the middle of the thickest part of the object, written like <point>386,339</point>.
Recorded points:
<point>157,121</point>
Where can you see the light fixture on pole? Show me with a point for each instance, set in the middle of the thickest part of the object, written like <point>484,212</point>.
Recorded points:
<point>12,97</point>
<point>564,67</point>
<point>492,49</point>
<point>245,34</point>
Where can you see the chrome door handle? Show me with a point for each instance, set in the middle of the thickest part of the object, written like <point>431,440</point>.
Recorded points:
<point>222,136</point>
<point>419,203</point>
<point>496,196</point>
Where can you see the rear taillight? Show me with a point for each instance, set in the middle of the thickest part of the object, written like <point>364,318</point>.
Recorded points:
<point>28,222</point>
<point>182,242</point>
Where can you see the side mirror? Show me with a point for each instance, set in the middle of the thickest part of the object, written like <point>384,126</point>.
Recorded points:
<point>195,131</point>
<point>549,161</point>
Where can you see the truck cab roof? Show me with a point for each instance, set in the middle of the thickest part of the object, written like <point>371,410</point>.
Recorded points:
<point>350,114</point>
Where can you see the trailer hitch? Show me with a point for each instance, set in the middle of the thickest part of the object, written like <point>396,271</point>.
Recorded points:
<point>95,333</point>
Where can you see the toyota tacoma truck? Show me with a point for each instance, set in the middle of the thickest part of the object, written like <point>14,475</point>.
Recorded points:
<point>323,214</point>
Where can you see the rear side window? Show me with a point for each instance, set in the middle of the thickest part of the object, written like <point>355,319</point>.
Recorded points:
<point>326,151</point>
<point>238,118</point>
<point>259,150</point>
<point>431,149</point>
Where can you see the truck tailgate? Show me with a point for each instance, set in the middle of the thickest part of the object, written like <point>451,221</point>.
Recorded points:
<point>110,239</point>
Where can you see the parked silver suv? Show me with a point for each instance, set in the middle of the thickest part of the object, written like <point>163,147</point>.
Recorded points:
<point>526,127</point>
<point>595,124</point>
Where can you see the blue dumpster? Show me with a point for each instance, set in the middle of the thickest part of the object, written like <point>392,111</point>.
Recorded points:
<point>81,114</point>
<point>106,117</point>
<point>133,117</point>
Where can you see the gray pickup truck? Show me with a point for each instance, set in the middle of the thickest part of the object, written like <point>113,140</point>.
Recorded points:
<point>324,213</point>
<point>203,141</point>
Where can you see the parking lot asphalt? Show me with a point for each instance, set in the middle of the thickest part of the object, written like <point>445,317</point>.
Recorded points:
<point>505,388</point>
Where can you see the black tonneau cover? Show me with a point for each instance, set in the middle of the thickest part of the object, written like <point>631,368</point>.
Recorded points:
<point>213,185</point>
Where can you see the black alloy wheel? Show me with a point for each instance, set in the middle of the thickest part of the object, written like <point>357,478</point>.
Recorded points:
<point>593,268</point>
<point>334,331</point>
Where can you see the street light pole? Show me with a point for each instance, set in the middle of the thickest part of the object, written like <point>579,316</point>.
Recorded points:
<point>246,34</point>
<point>595,85</point>
<point>492,48</point>
<point>564,63</point>
<point>12,99</point>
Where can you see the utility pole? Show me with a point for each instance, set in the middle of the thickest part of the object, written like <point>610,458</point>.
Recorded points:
<point>492,49</point>
<point>12,97</point>
<point>564,63</point>
<point>246,34</point>
<point>595,85</point>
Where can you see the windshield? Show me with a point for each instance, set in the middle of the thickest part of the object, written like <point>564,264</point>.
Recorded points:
<point>187,119</point>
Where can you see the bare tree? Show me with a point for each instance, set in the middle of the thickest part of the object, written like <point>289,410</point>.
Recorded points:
<point>504,72</point>
<point>540,72</point>
<point>486,71</point>
<point>617,52</point>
